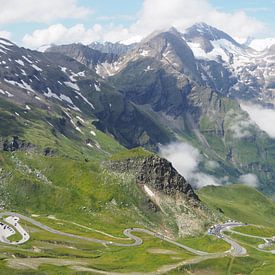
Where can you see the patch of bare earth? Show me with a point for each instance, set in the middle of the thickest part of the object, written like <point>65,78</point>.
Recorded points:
<point>161,251</point>
<point>34,263</point>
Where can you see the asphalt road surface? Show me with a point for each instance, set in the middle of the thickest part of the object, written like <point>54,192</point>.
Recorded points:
<point>236,249</point>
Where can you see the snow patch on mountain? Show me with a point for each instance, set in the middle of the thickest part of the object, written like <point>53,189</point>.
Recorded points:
<point>72,85</point>
<point>36,68</point>
<point>20,62</point>
<point>6,42</point>
<point>22,84</point>
<point>6,93</point>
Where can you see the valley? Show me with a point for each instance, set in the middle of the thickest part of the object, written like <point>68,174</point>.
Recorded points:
<point>236,250</point>
<point>226,232</point>
<point>138,159</point>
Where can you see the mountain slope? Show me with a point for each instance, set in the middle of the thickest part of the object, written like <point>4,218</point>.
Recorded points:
<point>41,80</point>
<point>248,74</point>
<point>160,92</point>
<point>48,167</point>
<point>112,48</point>
<point>58,123</point>
<point>241,203</point>
<point>167,81</point>
<point>87,56</point>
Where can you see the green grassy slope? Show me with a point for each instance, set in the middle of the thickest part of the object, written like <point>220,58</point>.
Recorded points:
<point>241,203</point>
<point>70,187</point>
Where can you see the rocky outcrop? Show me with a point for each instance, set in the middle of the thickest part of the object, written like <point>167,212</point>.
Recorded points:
<point>15,144</point>
<point>157,173</point>
<point>180,211</point>
<point>162,176</point>
<point>84,54</point>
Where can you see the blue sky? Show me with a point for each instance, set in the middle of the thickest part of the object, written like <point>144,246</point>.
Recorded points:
<point>128,18</point>
<point>262,10</point>
<point>103,12</point>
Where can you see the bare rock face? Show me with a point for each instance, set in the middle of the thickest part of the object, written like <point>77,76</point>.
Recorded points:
<point>84,54</point>
<point>15,144</point>
<point>156,172</point>
<point>162,176</point>
<point>179,209</point>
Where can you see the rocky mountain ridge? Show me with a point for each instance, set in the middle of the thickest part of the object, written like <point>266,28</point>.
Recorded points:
<point>157,93</point>
<point>112,48</point>
<point>168,193</point>
<point>233,69</point>
<point>51,80</point>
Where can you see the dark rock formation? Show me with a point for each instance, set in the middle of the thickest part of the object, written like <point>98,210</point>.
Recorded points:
<point>157,173</point>
<point>15,144</point>
<point>162,176</point>
<point>49,152</point>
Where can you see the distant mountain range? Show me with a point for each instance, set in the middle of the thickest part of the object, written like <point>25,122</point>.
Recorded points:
<point>87,133</point>
<point>170,87</point>
<point>233,69</point>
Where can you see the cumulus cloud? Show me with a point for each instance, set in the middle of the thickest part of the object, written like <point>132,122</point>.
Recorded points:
<point>158,14</point>
<point>5,34</point>
<point>264,118</point>
<point>13,11</point>
<point>59,34</point>
<point>186,159</point>
<point>249,180</point>
<point>154,15</point>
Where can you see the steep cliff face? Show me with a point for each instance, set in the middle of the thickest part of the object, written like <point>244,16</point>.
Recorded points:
<point>83,54</point>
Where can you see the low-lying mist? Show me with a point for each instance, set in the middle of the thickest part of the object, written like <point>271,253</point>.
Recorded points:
<point>263,117</point>
<point>186,159</point>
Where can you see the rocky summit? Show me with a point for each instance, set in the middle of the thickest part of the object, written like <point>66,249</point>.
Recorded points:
<point>162,176</point>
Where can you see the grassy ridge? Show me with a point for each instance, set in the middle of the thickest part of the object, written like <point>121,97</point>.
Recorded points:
<point>241,203</point>
<point>261,231</point>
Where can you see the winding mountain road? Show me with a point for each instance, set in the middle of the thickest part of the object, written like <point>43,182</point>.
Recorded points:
<point>260,246</point>
<point>236,249</point>
<point>127,232</point>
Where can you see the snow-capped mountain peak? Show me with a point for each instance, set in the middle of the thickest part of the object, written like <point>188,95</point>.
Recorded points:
<point>203,53</point>
<point>207,32</point>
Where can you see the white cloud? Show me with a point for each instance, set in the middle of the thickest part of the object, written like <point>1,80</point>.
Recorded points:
<point>186,159</point>
<point>154,15</point>
<point>5,34</point>
<point>249,180</point>
<point>264,118</point>
<point>39,11</point>
<point>59,34</point>
<point>159,14</point>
